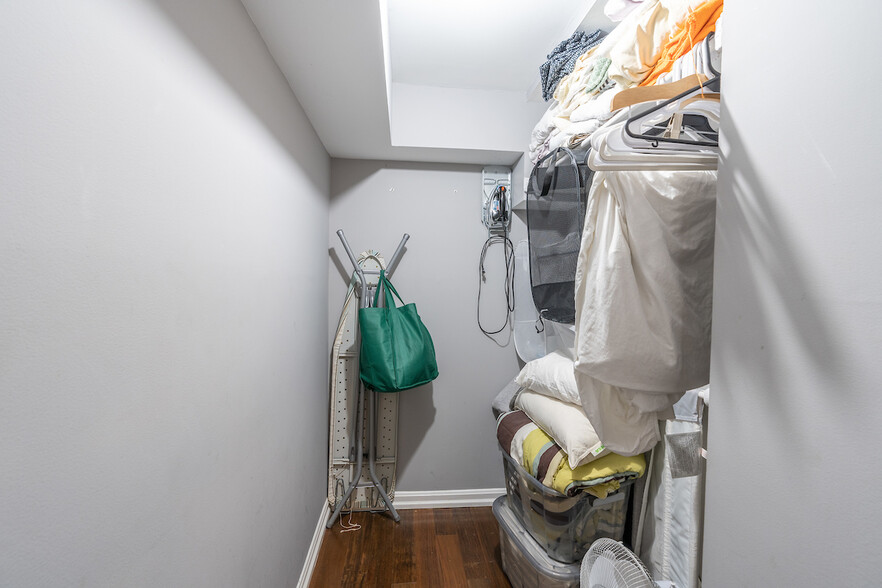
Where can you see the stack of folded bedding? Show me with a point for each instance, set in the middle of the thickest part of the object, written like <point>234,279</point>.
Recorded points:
<point>549,434</point>
<point>625,420</point>
<point>544,459</point>
<point>564,486</point>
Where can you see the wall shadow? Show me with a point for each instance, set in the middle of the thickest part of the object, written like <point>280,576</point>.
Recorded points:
<point>244,63</point>
<point>751,230</point>
<point>342,269</point>
<point>416,414</point>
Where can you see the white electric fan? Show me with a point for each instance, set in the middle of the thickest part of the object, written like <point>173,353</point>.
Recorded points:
<point>609,564</point>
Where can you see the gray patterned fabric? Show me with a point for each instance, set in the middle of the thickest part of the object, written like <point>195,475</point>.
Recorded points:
<point>684,453</point>
<point>562,59</point>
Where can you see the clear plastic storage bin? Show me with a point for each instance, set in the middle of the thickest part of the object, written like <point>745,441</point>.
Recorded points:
<point>565,527</point>
<point>523,561</point>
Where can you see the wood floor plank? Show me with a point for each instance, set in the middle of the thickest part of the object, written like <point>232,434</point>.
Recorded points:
<point>489,536</point>
<point>405,562</point>
<point>428,569</point>
<point>446,520</point>
<point>327,572</point>
<point>354,566</point>
<point>452,568</point>
<point>379,552</point>
<point>474,560</point>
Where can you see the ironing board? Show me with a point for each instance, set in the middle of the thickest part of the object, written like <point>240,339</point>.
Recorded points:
<point>353,433</point>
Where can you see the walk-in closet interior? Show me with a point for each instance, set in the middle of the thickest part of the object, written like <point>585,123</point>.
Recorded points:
<point>593,285</point>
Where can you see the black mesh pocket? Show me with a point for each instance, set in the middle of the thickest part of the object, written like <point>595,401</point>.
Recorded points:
<point>556,197</point>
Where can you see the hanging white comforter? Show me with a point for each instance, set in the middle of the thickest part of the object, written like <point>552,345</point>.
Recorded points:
<point>643,299</point>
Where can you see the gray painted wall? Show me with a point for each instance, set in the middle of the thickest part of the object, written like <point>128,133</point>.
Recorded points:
<point>793,482</point>
<point>446,430</point>
<point>162,367</point>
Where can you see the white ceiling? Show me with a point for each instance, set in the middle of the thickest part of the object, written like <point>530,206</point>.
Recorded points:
<point>477,44</point>
<point>450,85</point>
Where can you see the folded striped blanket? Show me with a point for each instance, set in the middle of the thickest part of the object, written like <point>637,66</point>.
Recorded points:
<point>544,459</point>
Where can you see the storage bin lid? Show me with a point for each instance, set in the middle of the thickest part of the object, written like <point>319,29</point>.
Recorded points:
<point>531,550</point>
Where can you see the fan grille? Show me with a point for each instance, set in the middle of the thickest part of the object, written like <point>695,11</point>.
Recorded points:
<point>609,564</point>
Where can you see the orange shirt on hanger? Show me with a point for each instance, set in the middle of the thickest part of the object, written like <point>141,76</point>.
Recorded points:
<point>697,25</point>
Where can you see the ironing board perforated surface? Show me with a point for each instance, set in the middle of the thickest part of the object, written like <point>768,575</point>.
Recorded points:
<point>343,405</point>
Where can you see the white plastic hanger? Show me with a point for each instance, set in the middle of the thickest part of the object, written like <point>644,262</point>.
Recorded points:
<point>610,152</point>
<point>699,101</point>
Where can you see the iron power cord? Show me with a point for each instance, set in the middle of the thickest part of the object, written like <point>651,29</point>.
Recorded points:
<point>508,252</point>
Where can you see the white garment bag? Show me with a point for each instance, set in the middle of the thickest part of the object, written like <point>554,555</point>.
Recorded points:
<point>643,280</point>
<point>643,300</point>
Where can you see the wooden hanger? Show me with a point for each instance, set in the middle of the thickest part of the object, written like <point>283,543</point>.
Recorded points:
<point>701,91</point>
<point>640,94</point>
<point>715,96</point>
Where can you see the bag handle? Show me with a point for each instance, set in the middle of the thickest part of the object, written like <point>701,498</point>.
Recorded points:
<point>384,281</point>
<point>553,159</point>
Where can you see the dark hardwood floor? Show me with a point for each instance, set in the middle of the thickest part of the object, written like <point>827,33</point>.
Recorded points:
<point>449,547</point>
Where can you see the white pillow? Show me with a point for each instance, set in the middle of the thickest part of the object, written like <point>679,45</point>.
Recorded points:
<point>552,375</point>
<point>566,424</point>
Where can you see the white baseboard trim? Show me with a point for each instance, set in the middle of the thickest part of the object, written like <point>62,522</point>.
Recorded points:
<point>314,546</point>
<point>446,498</point>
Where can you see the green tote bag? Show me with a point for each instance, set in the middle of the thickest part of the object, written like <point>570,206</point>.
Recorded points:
<point>397,352</point>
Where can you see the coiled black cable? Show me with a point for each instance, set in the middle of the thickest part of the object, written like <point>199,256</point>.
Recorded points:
<point>508,252</point>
